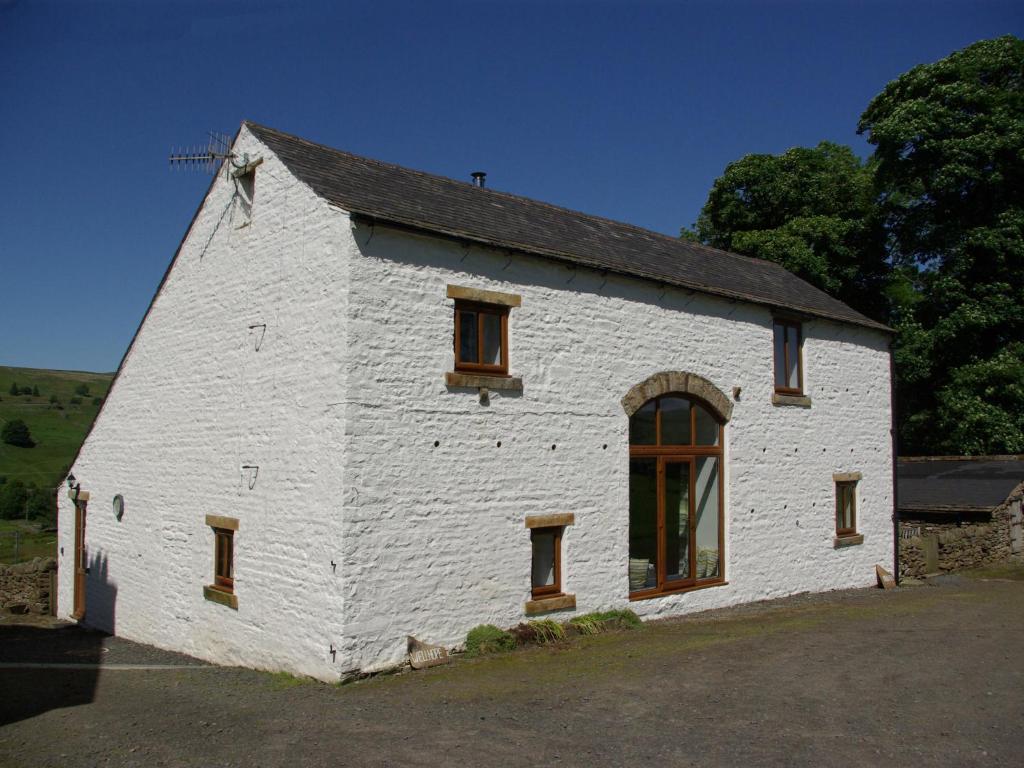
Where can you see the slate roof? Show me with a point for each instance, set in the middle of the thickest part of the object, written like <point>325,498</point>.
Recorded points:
<point>443,206</point>
<point>948,484</point>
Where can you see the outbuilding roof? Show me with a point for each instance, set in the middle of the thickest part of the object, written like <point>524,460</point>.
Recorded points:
<point>435,204</point>
<point>957,483</point>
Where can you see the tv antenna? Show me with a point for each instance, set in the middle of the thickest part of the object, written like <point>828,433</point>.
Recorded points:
<point>207,158</point>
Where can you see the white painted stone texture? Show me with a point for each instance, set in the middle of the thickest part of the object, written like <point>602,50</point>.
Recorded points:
<point>368,460</point>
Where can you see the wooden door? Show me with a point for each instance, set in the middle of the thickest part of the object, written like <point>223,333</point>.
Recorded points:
<point>81,562</point>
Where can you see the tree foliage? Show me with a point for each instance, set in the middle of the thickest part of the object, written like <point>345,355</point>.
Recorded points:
<point>15,432</point>
<point>13,496</point>
<point>949,145</point>
<point>927,235</point>
<point>812,210</point>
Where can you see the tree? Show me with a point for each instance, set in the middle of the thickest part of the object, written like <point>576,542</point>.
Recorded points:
<point>82,389</point>
<point>949,145</point>
<point>40,504</point>
<point>14,389</point>
<point>812,210</point>
<point>35,391</point>
<point>15,432</point>
<point>12,500</point>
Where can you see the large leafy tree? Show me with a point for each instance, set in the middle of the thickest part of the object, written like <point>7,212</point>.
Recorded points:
<point>812,210</point>
<point>949,141</point>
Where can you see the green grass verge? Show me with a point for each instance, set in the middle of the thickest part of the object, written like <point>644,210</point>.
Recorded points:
<point>30,542</point>
<point>57,433</point>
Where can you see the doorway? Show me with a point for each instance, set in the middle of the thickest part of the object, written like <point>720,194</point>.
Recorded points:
<point>81,562</point>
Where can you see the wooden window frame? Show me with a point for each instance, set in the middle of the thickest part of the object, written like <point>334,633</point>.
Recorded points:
<point>786,324</point>
<point>677,454</point>
<point>555,588</point>
<point>224,560</point>
<point>843,487</point>
<point>481,309</point>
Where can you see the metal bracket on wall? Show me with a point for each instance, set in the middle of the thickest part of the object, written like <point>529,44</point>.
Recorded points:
<point>250,472</point>
<point>259,330</point>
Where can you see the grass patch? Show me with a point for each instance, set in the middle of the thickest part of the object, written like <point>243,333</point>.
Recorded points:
<point>21,541</point>
<point>1007,570</point>
<point>546,631</point>
<point>487,638</point>
<point>602,621</point>
<point>284,680</point>
<point>57,431</point>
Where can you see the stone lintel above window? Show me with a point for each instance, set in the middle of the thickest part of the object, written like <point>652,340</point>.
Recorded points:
<point>544,605</point>
<point>484,297</point>
<point>550,521</point>
<point>801,401</point>
<point>846,477</point>
<point>475,380</point>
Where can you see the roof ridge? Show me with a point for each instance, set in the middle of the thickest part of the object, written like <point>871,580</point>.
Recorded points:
<point>711,250</point>
<point>442,205</point>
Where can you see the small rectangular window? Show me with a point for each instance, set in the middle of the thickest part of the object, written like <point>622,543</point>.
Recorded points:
<point>547,562</point>
<point>846,508</point>
<point>788,354</point>
<point>481,338</point>
<point>222,590</point>
<point>224,559</point>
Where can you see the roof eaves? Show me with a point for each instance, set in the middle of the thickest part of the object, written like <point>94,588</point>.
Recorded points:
<point>576,260</point>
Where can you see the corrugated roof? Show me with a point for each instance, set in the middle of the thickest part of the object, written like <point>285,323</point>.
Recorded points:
<point>435,204</point>
<point>943,483</point>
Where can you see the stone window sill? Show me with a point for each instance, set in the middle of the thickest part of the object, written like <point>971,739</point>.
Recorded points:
<point>848,541</point>
<point>476,380</point>
<point>801,401</point>
<point>559,603</point>
<point>215,595</point>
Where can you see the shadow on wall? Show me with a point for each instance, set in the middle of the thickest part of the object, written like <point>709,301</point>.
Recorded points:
<point>51,667</point>
<point>100,596</point>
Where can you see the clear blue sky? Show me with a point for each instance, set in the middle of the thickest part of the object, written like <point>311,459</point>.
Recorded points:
<point>627,110</point>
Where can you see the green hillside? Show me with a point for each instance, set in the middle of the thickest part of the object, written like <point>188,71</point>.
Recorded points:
<point>57,428</point>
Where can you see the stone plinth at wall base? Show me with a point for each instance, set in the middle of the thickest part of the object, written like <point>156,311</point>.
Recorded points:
<point>546,605</point>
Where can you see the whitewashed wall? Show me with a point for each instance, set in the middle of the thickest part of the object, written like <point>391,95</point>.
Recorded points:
<point>435,541</point>
<point>193,403</point>
<point>341,408</point>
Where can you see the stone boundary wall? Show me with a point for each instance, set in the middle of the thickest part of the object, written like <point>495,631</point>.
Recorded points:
<point>965,546</point>
<point>26,587</point>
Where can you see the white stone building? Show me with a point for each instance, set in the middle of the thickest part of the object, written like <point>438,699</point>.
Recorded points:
<point>367,402</point>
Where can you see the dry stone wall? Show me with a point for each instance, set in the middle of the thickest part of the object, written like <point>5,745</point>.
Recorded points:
<point>25,587</point>
<point>954,547</point>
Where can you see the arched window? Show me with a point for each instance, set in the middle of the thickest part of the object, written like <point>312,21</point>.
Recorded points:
<point>675,496</point>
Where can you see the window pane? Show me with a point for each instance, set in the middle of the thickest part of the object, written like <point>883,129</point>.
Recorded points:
<point>467,337</point>
<point>707,427</point>
<point>780,360</point>
<point>848,507</point>
<point>543,558</point>
<point>643,523</point>
<point>675,421</point>
<point>492,339</point>
<point>794,356</point>
<point>706,498</point>
<point>677,520</point>
<point>641,425</point>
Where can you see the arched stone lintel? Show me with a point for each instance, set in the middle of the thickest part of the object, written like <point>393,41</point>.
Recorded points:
<point>679,382</point>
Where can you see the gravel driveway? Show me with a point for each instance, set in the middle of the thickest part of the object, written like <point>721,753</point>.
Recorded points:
<point>925,675</point>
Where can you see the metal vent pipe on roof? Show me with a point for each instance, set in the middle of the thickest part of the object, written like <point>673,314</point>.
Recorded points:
<point>479,178</point>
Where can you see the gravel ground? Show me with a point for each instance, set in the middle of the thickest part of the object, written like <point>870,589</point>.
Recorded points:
<point>923,675</point>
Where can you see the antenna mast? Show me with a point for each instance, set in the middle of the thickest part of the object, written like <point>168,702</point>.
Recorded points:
<point>206,158</point>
